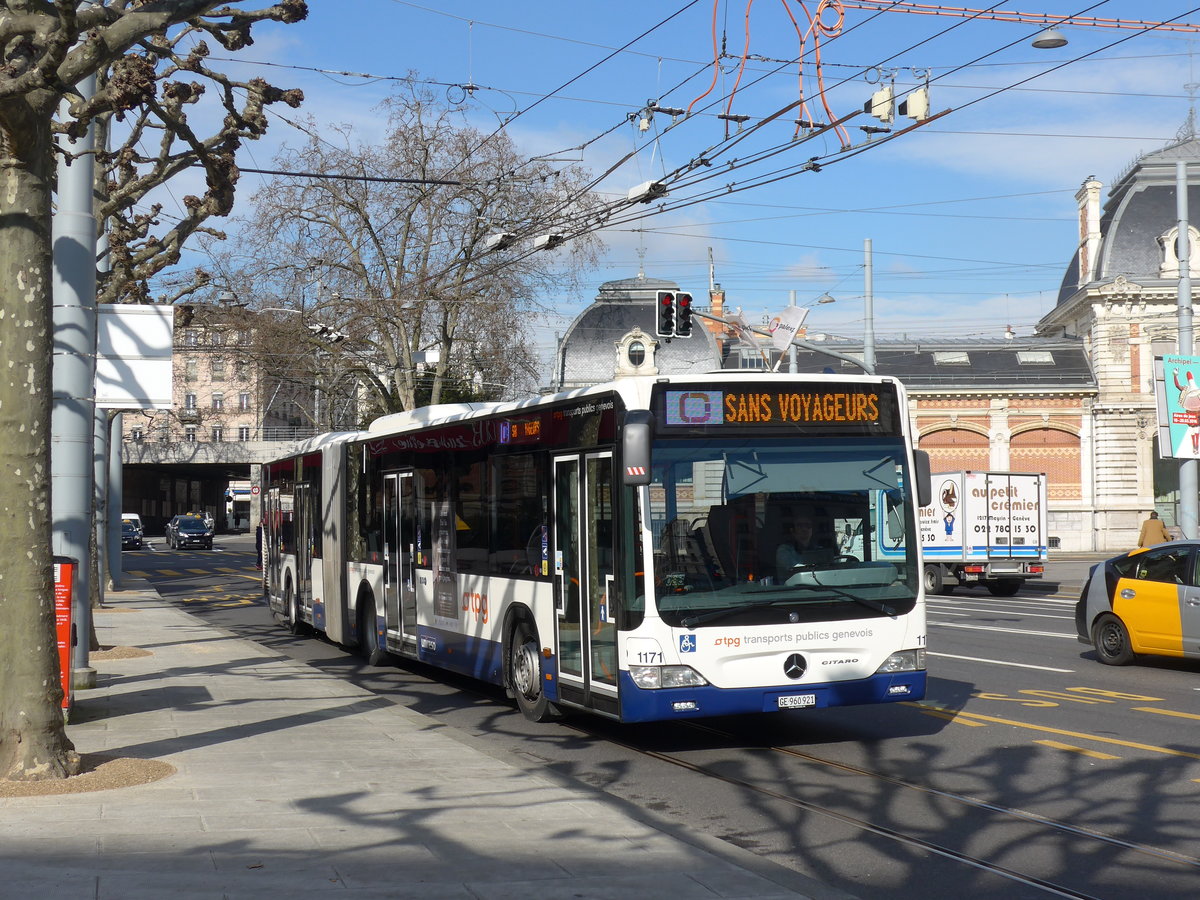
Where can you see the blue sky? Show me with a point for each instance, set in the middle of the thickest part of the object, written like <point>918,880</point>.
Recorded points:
<point>972,217</point>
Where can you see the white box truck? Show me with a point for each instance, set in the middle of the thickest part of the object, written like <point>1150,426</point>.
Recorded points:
<point>986,528</point>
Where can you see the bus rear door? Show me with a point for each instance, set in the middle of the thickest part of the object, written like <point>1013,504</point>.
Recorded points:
<point>399,557</point>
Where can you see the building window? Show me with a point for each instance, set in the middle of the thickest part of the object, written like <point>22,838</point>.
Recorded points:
<point>191,369</point>
<point>135,434</point>
<point>244,401</point>
<point>218,434</point>
<point>636,353</point>
<point>218,338</point>
<point>239,369</point>
<point>218,400</point>
<point>189,434</point>
<point>951,358</point>
<point>191,338</point>
<point>1035,358</point>
<point>218,369</point>
<point>243,432</point>
<point>189,401</point>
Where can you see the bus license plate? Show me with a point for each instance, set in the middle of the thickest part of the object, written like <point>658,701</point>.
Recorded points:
<point>797,701</point>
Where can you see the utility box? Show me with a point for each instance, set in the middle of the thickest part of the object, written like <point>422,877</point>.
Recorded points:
<point>64,626</point>
<point>986,528</point>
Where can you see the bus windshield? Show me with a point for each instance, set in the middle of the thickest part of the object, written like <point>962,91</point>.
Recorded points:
<point>791,529</point>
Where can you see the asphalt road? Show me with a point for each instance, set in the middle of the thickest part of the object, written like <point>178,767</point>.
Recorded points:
<point>1029,770</point>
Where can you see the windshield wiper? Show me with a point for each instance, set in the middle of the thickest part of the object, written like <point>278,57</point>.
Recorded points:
<point>846,595</point>
<point>715,614</point>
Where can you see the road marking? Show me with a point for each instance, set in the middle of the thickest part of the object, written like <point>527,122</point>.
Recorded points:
<point>1094,754</point>
<point>1057,634</point>
<point>1166,712</point>
<point>169,572</point>
<point>1082,736</point>
<point>1004,612</point>
<point>1000,662</point>
<point>948,715</point>
<point>198,571</point>
<point>942,612</point>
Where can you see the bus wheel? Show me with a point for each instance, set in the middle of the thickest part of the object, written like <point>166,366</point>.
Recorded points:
<point>1005,587</point>
<point>368,637</point>
<point>291,607</point>
<point>1111,640</point>
<point>525,673</point>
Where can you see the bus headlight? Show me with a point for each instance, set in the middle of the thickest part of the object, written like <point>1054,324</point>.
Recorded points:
<point>903,661</point>
<point>652,678</point>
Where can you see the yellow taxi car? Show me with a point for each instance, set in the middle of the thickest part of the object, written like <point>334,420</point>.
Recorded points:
<point>1144,602</point>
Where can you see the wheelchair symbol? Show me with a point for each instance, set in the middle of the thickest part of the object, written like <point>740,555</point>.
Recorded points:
<point>687,643</point>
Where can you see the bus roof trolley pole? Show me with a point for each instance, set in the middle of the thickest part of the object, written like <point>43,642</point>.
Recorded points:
<point>636,437</point>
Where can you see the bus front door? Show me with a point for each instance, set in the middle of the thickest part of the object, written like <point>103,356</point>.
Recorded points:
<point>583,571</point>
<point>399,557</point>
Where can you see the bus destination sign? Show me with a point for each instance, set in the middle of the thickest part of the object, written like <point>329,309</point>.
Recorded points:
<point>520,431</point>
<point>826,406</point>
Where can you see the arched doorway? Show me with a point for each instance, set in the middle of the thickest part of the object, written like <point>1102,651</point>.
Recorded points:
<point>953,449</point>
<point>1054,452</point>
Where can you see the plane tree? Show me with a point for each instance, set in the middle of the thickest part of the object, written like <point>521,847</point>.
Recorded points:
<point>434,249</point>
<point>150,59</point>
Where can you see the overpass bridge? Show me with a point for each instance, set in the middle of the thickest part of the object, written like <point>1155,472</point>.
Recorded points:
<point>162,479</point>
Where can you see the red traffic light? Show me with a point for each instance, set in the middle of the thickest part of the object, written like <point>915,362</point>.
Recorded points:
<point>683,315</point>
<point>665,322</point>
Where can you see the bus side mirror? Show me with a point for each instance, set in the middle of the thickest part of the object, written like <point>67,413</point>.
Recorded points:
<point>924,479</point>
<point>636,437</point>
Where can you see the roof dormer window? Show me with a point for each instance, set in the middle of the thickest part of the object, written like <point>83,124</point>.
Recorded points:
<point>951,358</point>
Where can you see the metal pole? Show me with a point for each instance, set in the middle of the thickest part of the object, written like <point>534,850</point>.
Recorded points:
<point>73,378</point>
<point>116,502</point>
<point>868,311</point>
<point>792,367</point>
<point>1188,468</point>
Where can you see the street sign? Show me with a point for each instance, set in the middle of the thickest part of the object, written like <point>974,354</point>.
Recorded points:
<point>254,490</point>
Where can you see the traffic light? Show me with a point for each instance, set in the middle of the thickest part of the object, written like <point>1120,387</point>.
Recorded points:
<point>666,314</point>
<point>683,315</point>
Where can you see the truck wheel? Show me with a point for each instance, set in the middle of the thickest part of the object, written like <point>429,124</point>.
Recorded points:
<point>935,581</point>
<point>1005,587</point>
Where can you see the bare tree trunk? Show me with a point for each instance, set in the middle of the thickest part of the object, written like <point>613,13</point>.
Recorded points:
<point>33,740</point>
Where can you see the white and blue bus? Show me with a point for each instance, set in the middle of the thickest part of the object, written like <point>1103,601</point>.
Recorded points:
<point>616,549</point>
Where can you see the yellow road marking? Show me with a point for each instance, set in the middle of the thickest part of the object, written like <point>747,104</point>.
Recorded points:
<point>1095,754</point>
<point>948,715</point>
<point>198,571</point>
<point>170,572</point>
<point>226,570</point>
<point>1166,712</point>
<point>1087,737</point>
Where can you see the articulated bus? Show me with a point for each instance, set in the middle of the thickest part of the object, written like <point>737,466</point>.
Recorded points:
<point>616,549</point>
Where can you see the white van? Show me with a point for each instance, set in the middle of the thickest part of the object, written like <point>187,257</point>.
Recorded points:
<point>135,519</point>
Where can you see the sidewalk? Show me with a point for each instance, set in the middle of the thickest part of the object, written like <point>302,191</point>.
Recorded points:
<point>292,783</point>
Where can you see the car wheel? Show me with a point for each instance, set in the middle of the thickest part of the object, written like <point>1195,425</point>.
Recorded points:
<point>1110,637</point>
<point>1005,587</point>
<point>525,674</point>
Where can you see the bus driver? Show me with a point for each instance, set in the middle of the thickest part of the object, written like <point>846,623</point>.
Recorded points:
<point>799,547</point>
